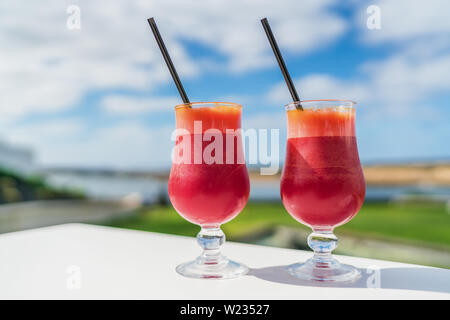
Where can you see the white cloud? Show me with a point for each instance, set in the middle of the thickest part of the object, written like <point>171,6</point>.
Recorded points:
<point>68,142</point>
<point>232,27</point>
<point>406,20</point>
<point>47,67</point>
<point>117,104</point>
<point>416,70</point>
<point>125,145</point>
<point>39,134</point>
<point>403,83</point>
<point>396,86</point>
<point>320,86</point>
<point>403,79</point>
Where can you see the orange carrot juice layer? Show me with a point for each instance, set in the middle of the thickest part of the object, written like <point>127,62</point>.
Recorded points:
<point>321,122</point>
<point>219,117</point>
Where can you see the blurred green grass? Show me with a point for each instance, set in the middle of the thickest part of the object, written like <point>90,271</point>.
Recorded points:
<point>426,224</point>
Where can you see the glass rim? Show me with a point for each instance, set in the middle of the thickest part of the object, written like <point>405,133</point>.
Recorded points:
<point>205,104</point>
<point>337,102</point>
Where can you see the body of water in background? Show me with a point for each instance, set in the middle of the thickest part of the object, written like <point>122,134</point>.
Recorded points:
<point>113,187</point>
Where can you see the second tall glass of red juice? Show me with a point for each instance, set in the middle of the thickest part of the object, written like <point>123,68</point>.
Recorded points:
<point>208,183</point>
<point>322,184</point>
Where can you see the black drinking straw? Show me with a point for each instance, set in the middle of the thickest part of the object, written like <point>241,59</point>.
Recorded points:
<point>279,57</point>
<point>169,62</point>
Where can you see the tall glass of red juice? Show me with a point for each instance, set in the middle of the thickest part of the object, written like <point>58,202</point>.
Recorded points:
<point>208,183</point>
<point>322,184</point>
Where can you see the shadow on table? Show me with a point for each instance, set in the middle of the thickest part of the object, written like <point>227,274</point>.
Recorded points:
<point>422,279</point>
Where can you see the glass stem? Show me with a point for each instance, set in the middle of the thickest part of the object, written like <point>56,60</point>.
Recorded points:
<point>323,242</point>
<point>210,238</point>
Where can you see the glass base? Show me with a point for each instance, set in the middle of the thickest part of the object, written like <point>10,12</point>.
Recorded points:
<point>324,270</point>
<point>224,269</point>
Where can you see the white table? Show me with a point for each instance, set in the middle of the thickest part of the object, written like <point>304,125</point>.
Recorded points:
<point>76,261</point>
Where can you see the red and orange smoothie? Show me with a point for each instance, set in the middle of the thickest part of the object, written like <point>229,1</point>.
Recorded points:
<point>206,193</point>
<point>322,182</point>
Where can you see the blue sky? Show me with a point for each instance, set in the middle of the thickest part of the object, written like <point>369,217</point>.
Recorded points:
<point>101,96</point>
